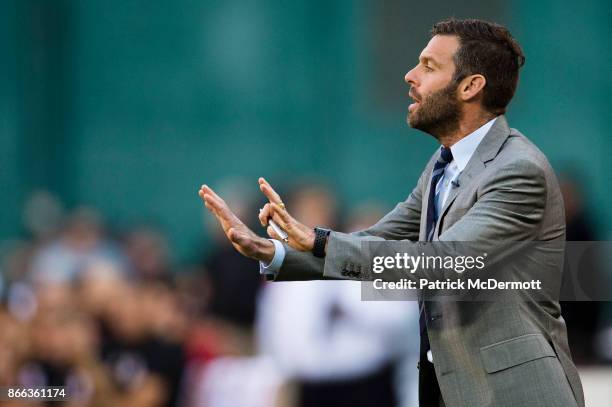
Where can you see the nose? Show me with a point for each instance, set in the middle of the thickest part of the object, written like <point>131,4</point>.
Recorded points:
<point>410,77</point>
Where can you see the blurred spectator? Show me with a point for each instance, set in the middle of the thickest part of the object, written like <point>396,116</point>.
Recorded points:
<point>16,258</point>
<point>63,353</point>
<point>193,291</point>
<point>14,347</point>
<point>234,282</point>
<point>339,349</point>
<point>603,344</point>
<point>223,331</point>
<point>581,316</point>
<point>80,242</point>
<point>43,214</point>
<point>406,376</point>
<point>148,254</point>
<point>579,226</point>
<point>239,382</point>
<point>142,352</point>
<point>99,286</point>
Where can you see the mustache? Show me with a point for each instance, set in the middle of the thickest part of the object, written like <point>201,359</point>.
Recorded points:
<point>414,95</point>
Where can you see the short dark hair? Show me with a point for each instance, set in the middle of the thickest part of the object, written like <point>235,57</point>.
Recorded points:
<point>490,50</point>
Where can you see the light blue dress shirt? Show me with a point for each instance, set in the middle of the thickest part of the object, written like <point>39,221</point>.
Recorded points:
<point>462,152</point>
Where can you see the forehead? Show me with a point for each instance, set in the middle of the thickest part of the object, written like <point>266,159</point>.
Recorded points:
<point>441,49</point>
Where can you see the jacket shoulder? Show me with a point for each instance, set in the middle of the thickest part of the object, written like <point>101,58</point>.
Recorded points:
<point>519,151</point>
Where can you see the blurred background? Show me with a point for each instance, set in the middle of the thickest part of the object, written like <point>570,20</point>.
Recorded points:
<point>115,282</point>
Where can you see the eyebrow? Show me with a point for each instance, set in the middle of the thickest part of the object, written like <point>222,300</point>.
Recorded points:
<point>426,59</point>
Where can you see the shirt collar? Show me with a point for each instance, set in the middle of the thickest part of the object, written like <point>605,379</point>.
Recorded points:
<point>464,149</point>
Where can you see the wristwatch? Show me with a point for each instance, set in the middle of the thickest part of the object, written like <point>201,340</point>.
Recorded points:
<point>321,234</point>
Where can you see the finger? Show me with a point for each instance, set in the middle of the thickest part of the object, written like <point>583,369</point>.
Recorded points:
<point>220,209</point>
<point>202,194</point>
<point>289,230</point>
<point>205,192</point>
<point>213,204</point>
<point>208,204</point>
<point>210,208</point>
<point>281,216</point>
<point>209,190</point>
<point>269,192</point>
<point>202,190</point>
<point>264,215</point>
<point>210,194</point>
<point>223,221</point>
<point>272,233</point>
<point>218,204</point>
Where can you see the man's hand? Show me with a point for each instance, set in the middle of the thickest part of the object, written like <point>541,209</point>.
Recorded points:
<point>301,237</point>
<point>243,238</point>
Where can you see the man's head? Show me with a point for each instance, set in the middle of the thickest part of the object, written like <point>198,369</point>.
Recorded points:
<point>467,66</point>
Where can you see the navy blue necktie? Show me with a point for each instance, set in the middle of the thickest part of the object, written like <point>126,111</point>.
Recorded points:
<point>446,156</point>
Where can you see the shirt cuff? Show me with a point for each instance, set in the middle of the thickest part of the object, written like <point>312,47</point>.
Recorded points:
<point>274,266</point>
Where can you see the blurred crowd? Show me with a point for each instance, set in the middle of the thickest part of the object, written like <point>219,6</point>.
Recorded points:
<point>105,312</point>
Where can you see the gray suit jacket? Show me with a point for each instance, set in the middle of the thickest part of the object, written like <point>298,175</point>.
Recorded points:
<point>485,354</point>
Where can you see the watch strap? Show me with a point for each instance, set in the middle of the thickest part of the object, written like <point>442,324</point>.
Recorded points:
<point>321,235</point>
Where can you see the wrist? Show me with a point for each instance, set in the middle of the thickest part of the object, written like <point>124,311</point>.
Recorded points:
<point>266,251</point>
<point>311,239</point>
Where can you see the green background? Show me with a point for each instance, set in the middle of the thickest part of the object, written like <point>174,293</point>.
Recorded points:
<point>129,106</point>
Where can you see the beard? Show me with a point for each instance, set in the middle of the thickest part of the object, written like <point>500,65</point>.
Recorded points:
<point>439,113</point>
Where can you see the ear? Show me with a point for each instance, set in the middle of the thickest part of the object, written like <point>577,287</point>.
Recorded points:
<point>470,86</point>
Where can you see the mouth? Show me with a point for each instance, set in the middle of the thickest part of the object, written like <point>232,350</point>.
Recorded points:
<point>416,103</point>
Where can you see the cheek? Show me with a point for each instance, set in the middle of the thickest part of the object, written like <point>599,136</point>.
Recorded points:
<point>434,83</point>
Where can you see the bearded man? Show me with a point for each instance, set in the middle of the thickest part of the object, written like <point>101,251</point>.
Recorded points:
<point>486,183</point>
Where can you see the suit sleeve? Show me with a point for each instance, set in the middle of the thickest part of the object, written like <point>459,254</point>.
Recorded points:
<point>509,207</point>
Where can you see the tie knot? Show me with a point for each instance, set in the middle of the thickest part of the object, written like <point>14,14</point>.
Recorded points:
<point>446,155</point>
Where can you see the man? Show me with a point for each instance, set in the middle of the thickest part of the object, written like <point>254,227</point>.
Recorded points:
<point>487,183</point>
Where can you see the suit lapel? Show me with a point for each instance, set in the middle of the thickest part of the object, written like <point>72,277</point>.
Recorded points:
<point>485,152</point>
<point>471,171</point>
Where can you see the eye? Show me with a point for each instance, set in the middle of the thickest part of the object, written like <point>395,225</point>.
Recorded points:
<point>428,68</point>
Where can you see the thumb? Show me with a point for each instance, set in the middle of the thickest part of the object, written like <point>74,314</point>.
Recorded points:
<point>240,239</point>
<point>234,235</point>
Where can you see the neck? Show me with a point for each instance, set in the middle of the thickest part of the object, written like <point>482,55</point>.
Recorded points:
<point>467,125</point>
